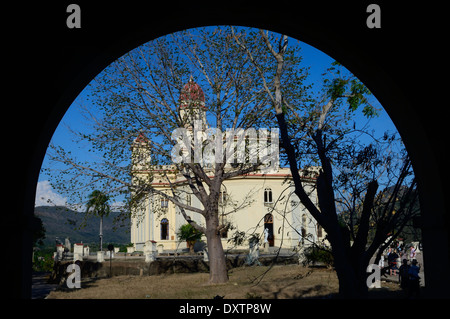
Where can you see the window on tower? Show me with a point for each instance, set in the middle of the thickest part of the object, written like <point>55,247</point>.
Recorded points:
<point>268,196</point>
<point>164,202</point>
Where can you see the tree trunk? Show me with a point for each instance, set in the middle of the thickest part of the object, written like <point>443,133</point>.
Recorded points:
<point>101,233</point>
<point>351,274</point>
<point>348,283</point>
<point>190,244</point>
<point>217,263</point>
<point>344,270</point>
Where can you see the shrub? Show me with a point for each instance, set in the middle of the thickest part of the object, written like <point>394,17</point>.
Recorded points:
<point>43,261</point>
<point>318,254</point>
<point>189,234</point>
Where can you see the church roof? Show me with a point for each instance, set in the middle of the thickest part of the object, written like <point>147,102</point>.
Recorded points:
<point>192,93</point>
<point>141,138</point>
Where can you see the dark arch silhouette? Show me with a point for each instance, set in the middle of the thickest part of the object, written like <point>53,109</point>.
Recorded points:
<point>59,62</point>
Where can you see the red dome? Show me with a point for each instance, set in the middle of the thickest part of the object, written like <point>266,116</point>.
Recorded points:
<point>141,138</point>
<point>192,92</point>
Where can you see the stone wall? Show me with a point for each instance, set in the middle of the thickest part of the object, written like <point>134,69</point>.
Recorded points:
<point>165,265</point>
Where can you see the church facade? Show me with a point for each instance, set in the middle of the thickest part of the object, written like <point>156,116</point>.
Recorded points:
<point>259,204</point>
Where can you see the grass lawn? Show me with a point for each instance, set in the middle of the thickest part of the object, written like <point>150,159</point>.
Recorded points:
<point>280,282</point>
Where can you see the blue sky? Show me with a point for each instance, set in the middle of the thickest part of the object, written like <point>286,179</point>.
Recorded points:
<point>315,59</point>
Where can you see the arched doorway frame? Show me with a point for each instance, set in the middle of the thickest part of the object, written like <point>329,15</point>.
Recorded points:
<point>268,224</point>
<point>80,56</point>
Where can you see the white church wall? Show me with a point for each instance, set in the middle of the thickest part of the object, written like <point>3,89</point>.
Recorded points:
<point>248,195</point>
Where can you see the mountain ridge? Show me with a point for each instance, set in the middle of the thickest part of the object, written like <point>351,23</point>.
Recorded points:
<point>61,222</point>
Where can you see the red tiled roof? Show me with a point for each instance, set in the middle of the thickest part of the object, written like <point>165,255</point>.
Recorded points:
<point>192,92</point>
<point>141,138</point>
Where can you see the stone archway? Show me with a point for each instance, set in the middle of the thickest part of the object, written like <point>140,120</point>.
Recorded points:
<point>69,59</point>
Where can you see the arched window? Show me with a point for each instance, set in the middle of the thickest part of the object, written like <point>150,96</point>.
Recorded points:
<point>268,230</point>
<point>268,219</point>
<point>268,196</point>
<point>164,202</point>
<point>319,231</point>
<point>222,197</point>
<point>164,229</point>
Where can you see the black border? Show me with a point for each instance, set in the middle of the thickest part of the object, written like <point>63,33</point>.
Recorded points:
<point>403,63</point>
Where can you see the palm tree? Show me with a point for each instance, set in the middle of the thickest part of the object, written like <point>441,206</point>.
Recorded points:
<point>188,233</point>
<point>98,206</point>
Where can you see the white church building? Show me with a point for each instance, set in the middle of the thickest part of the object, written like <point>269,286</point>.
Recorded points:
<point>263,204</point>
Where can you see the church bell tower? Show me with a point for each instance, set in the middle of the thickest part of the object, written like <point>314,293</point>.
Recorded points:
<point>192,104</point>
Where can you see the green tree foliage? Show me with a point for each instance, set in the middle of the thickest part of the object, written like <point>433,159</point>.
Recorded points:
<point>321,132</point>
<point>188,233</point>
<point>38,231</point>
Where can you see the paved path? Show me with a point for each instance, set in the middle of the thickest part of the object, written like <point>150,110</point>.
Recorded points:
<point>40,288</point>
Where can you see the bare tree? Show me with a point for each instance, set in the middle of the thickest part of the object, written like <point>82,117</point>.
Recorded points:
<point>174,82</point>
<point>319,131</point>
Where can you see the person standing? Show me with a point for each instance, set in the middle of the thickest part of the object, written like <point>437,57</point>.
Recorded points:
<point>392,262</point>
<point>412,254</point>
<point>414,279</point>
<point>403,275</point>
<point>399,249</point>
